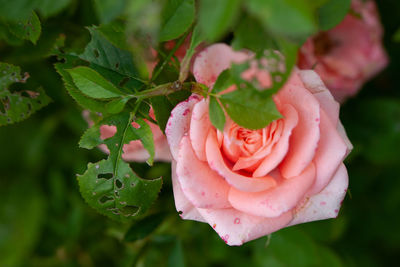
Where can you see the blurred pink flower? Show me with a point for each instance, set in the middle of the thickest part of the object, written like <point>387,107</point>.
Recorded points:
<point>350,54</point>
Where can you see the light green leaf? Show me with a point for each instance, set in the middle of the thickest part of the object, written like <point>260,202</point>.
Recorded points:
<point>217,115</point>
<point>17,106</point>
<point>110,186</point>
<point>83,100</point>
<point>92,84</point>
<point>117,105</point>
<point>249,109</point>
<point>216,17</point>
<point>28,29</point>
<point>332,13</point>
<point>176,18</point>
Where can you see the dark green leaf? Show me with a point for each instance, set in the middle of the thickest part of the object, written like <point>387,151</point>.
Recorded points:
<point>143,228</point>
<point>162,110</point>
<point>17,106</point>
<point>249,109</point>
<point>216,17</point>
<point>332,13</point>
<point>176,17</point>
<point>217,115</point>
<point>92,84</point>
<point>110,186</point>
<point>102,52</point>
<point>28,29</point>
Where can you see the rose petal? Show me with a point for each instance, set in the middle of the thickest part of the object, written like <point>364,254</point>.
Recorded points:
<point>279,151</point>
<point>330,154</point>
<point>213,60</point>
<point>199,127</point>
<point>275,201</point>
<point>236,228</point>
<point>201,185</point>
<point>183,205</point>
<point>327,203</point>
<point>305,136</point>
<point>179,122</point>
<point>216,162</point>
<point>315,85</point>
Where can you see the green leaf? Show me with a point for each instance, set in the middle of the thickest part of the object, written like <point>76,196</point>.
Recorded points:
<point>332,13</point>
<point>92,84</point>
<point>195,41</point>
<point>110,186</point>
<point>108,10</point>
<point>250,34</point>
<point>216,17</point>
<point>249,109</point>
<point>102,52</point>
<point>83,100</point>
<point>143,228</point>
<point>217,115</point>
<point>176,18</point>
<point>17,106</point>
<point>49,8</point>
<point>290,18</point>
<point>117,105</point>
<point>223,81</point>
<point>28,29</point>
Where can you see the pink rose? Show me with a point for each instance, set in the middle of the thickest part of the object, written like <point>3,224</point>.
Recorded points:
<point>249,183</point>
<point>348,55</point>
<point>134,151</point>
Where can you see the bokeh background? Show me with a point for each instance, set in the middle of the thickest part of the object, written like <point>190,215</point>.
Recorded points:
<point>45,222</point>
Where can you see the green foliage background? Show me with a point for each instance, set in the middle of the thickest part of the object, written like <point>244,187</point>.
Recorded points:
<point>45,222</point>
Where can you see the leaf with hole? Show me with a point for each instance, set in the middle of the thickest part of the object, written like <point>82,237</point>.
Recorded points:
<point>102,52</point>
<point>28,29</point>
<point>17,106</point>
<point>110,186</point>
